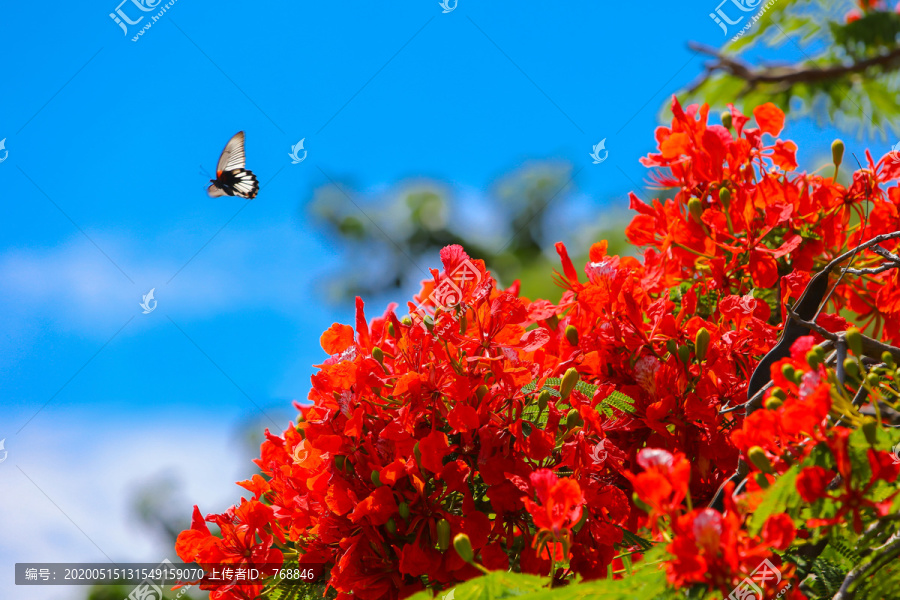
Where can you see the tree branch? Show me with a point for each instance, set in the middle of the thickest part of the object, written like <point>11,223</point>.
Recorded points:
<point>886,553</point>
<point>787,75</point>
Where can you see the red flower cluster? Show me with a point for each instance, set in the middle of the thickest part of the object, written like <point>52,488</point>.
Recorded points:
<point>451,420</point>
<point>788,430</point>
<point>245,541</point>
<point>709,547</point>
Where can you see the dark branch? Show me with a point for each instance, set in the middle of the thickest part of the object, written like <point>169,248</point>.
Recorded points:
<point>787,75</point>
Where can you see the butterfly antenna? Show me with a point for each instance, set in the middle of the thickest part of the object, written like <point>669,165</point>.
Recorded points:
<point>205,172</point>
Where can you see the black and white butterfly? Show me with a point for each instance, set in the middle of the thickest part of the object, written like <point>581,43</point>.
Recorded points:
<point>232,179</point>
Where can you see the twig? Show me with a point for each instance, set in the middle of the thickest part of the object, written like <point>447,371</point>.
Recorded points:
<point>886,254</point>
<point>871,270</point>
<point>786,75</point>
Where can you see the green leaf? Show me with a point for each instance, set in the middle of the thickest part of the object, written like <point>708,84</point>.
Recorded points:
<point>647,580</point>
<point>615,401</point>
<point>781,497</point>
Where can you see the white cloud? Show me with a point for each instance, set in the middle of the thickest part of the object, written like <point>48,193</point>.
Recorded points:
<point>92,481</point>
<point>77,287</point>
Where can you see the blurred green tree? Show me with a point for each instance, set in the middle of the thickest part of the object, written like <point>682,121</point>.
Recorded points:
<point>849,73</point>
<point>510,228</point>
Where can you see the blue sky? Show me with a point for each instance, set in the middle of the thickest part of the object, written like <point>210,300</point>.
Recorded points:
<point>104,199</point>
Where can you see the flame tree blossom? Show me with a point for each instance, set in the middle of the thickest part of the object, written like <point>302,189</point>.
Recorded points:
<point>560,432</point>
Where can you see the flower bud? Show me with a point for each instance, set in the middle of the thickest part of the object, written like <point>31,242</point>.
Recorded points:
<point>762,481</point>
<point>481,391</point>
<point>701,343</point>
<point>391,331</point>
<point>725,197</point>
<point>339,461</point>
<point>671,346</point>
<point>543,399</point>
<point>391,526</point>
<point>573,420</point>
<point>873,379</point>
<point>726,119</point>
<point>406,320</point>
<point>837,152</point>
<point>568,383</point>
<point>572,334</point>
<point>790,373</point>
<point>684,354</point>
<point>403,509</point>
<point>818,356</point>
<point>443,534</point>
<point>378,354</point>
<point>695,207</point>
<point>463,547</point>
<point>777,392</point>
<point>417,453</point>
<point>854,341</point>
<point>376,478</point>
<point>870,430</point>
<point>758,457</point>
<point>812,359</point>
<point>773,403</point>
<point>851,367</point>
<point>888,359</point>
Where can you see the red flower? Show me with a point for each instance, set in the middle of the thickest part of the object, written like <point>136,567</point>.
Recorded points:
<point>812,483</point>
<point>560,508</point>
<point>560,505</point>
<point>240,528</point>
<point>779,531</point>
<point>664,483</point>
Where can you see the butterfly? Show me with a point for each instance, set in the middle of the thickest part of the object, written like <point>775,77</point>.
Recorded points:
<point>232,179</point>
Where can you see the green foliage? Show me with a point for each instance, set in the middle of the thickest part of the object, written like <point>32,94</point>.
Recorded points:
<point>781,497</point>
<point>616,401</point>
<point>848,72</point>
<point>288,589</point>
<point>826,578</point>
<point>508,229</point>
<point>646,581</point>
<point>884,585</point>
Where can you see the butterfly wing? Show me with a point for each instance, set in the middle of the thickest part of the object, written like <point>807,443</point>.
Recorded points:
<point>233,155</point>
<point>239,182</point>
<point>215,191</point>
<point>245,184</point>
